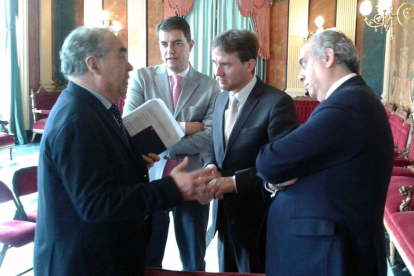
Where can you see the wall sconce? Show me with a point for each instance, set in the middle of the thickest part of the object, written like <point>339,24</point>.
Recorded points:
<point>108,22</point>
<point>384,18</point>
<point>319,21</point>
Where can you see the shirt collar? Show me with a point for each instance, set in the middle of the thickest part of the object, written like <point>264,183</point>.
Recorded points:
<point>338,83</point>
<point>101,98</point>
<point>244,93</point>
<point>183,74</point>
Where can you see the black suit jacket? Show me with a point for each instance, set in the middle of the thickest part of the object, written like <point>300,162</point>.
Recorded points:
<point>94,193</point>
<point>267,115</point>
<point>330,222</point>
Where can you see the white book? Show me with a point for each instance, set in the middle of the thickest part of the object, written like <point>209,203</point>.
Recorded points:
<point>152,127</point>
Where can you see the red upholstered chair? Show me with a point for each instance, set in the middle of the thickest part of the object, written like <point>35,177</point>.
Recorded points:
<point>25,183</point>
<point>399,220</point>
<point>400,128</point>
<point>389,109</point>
<point>404,163</point>
<point>6,140</point>
<point>42,103</point>
<point>163,272</point>
<point>13,233</point>
<point>304,107</point>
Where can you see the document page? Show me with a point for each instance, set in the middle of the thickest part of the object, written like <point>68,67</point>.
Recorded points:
<point>156,114</point>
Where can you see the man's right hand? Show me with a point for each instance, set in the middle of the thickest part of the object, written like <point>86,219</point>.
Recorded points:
<point>193,127</point>
<point>193,184</point>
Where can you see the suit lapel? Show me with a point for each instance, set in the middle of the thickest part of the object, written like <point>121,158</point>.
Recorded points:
<point>163,85</point>
<point>190,84</point>
<point>245,112</point>
<point>106,116</point>
<point>221,108</point>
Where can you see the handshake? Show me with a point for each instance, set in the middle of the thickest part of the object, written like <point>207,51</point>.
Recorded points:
<point>203,185</point>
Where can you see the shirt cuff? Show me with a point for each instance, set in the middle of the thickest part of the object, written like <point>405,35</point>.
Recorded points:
<point>182,125</point>
<point>234,182</point>
<point>268,189</point>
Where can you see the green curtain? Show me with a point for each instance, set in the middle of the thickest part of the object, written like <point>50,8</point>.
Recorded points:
<point>205,27</point>
<point>5,74</point>
<point>16,114</point>
<point>203,33</point>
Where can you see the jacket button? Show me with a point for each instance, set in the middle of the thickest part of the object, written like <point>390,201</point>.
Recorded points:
<point>165,157</point>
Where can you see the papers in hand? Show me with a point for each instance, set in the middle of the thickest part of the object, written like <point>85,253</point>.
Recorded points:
<point>152,127</point>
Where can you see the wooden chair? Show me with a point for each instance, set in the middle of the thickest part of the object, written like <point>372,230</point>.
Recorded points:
<point>7,140</point>
<point>42,103</point>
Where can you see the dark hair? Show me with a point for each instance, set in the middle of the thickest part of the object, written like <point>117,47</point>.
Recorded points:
<point>175,23</point>
<point>342,46</point>
<point>240,41</point>
<point>80,44</point>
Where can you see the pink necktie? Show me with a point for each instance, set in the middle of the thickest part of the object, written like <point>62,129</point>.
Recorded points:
<point>176,91</point>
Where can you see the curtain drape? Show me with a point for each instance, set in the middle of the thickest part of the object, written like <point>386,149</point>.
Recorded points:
<point>203,32</point>
<point>210,18</point>
<point>5,72</point>
<point>16,114</point>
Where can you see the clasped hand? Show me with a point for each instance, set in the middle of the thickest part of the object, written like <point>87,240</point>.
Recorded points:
<point>217,187</point>
<point>192,185</point>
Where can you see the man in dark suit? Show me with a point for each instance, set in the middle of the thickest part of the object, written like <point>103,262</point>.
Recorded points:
<point>247,115</point>
<point>94,196</point>
<point>330,221</point>
<point>192,107</point>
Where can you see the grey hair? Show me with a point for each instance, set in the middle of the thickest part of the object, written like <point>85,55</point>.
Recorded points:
<point>342,46</point>
<point>80,44</point>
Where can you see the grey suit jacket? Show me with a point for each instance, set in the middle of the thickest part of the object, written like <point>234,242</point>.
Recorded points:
<point>194,105</point>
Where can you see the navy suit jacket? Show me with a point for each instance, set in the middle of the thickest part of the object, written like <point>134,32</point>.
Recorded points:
<point>94,194</point>
<point>267,115</point>
<point>330,222</point>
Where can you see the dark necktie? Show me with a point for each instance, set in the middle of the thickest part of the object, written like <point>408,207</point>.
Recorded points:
<point>115,111</point>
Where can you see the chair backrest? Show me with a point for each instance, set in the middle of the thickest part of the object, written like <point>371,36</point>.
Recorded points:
<point>25,181</point>
<point>5,193</point>
<point>304,108</point>
<point>42,100</point>
<point>400,128</point>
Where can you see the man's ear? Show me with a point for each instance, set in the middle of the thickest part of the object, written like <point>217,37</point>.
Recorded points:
<point>329,57</point>
<point>190,45</point>
<point>251,64</point>
<point>92,64</point>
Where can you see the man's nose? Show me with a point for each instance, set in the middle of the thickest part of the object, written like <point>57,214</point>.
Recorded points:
<point>301,78</point>
<point>170,48</point>
<point>219,71</point>
<point>129,67</point>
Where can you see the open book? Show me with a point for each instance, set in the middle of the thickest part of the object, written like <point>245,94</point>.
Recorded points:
<point>152,127</point>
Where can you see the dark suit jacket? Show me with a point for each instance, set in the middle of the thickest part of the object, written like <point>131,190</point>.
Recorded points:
<point>94,193</point>
<point>267,115</point>
<point>330,221</point>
